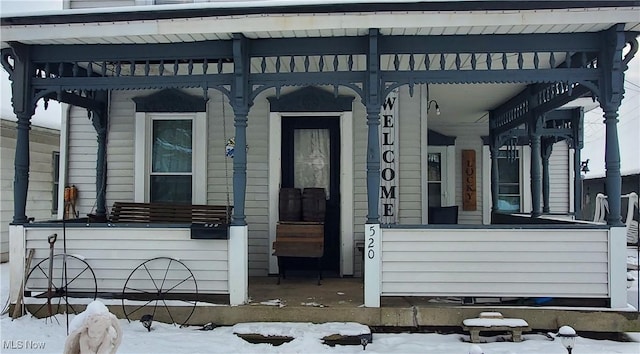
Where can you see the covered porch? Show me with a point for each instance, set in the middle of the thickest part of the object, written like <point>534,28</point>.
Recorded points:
<point>528,76</point>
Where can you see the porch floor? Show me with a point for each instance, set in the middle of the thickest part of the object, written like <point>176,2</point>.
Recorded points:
<point>300,299</point>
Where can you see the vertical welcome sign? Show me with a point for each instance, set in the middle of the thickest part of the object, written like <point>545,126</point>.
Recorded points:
<point>389,137</point>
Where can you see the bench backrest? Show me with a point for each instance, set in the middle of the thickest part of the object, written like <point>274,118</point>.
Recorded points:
<point>169,213</point>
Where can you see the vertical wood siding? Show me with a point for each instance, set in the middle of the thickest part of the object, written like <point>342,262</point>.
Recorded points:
<point>495,262</point>
<point>43,142</point>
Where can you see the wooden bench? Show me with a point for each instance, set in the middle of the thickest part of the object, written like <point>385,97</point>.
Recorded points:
<point>169,213</point>
<point>298,239</point>
<point>207,221</point>
<point>493,321</point>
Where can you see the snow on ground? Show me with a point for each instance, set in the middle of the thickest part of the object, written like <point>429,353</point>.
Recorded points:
<point>31,335</point>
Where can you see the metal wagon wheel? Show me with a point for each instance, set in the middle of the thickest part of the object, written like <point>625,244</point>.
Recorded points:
<point>70,277</point>
<point>162,287</point>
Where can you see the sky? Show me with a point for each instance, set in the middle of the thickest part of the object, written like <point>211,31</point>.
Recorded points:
<point>594,132</point>
<point>628,128</point>
<point>49,118</point>
<point>48,336</point>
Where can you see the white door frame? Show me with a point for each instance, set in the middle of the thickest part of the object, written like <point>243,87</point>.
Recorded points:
<point>448,173</point>
<point>346,182</point>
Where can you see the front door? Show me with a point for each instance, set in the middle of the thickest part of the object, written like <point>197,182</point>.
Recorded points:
<point>311,159</point>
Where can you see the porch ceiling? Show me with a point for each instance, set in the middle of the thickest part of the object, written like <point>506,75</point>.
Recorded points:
<point>124,27</point>
<point>458,103</point>
<point>469,103</point>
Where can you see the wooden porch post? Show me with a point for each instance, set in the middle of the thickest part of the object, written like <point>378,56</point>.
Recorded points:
<point>577,184</point>
<point>612,167</point>
<point>240,104</point>
<point>494,149</point>
<point>239,231</point>
<point>547,147</point>
<point>371,99</point>
<point>21,165</point>
<point>536,175</point>
<point>578,142</point>
<point>611,86</point>
<point>372,102</point>
<point>100,119</point>
<point>24,109</point>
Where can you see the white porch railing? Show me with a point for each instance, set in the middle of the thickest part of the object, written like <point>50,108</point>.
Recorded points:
<point>499,261</point>
<point>219,266</point>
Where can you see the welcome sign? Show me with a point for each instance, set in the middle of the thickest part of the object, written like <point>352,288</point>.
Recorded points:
<point>389,137</point>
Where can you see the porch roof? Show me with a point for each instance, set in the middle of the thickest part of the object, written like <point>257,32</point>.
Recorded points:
<point>311,18</point>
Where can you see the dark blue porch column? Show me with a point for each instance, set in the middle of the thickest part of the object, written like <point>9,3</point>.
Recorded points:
<point>100,118</point>
<point>372,103</point>
<point>24,108</point>
<point>240,105</point>
<point>240,167</point>
<point>577,184</point>
<point>611,85</point>
<point>612,166</point>
<point>101,168</point>
<point>494,149</point>
<point>547,147</point>
<point>536,175</point>
<point>21,164</point>
<point>577,142</point>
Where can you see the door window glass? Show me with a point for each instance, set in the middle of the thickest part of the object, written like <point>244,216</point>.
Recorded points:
<point>509,181</point>
<point>311,158</point>
<point>434,176</point>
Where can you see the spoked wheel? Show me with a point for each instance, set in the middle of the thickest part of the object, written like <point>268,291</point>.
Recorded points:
<point>163,288</point>
<point>71,277</point>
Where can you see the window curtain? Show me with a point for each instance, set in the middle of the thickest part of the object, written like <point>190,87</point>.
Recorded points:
<point>311,158</point>
<point>171,163</point>
<point>172,146</point>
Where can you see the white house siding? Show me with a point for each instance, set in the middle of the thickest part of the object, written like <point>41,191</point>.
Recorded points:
<point>495,262</point>
<point>122,251</point>
<point>410,177</point>
<point>120,146</point>
<point>81,160</point>
<point>42,143</point>
<point>468,137</point>
<point>359,176</point>
<point>257,201</point>
<point>559,178</point>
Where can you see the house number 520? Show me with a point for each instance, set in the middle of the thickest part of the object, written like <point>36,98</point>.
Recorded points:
<point>370,242</point>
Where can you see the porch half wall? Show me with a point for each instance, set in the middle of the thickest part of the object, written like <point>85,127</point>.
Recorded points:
<point>502,262</point>
<point>114,252</point>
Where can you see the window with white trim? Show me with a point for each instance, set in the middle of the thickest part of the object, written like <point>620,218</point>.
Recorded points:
<point>171,161</point>
<point>509,183</point>
<point>171,174</point>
